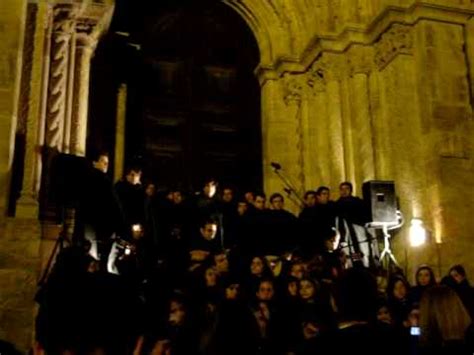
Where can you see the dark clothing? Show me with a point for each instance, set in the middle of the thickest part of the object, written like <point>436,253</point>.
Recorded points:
<point>200,243</point>
<point>315,224</point>
<point>99,208</point>
<point>366,339</point>
<point>235,332</point>
<point>399,309</point>
<point>270,232</point>
<point>132,200</point>
<point>466,294</point>
<point>282,233</point>
<point>452,347</point>
<point>352,209</point>
<point>79,309</point>
<point>230,224</point>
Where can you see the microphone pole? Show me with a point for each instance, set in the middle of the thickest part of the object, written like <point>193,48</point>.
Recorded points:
<point>289,186</point>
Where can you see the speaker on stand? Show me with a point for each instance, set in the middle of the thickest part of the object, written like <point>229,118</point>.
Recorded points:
<point>381,202</point>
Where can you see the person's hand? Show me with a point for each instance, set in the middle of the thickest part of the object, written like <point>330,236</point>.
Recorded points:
<point>310,330</point>
<point>199,255</point>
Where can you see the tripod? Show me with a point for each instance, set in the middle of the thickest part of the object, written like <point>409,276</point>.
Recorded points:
<point>386,257</point>
<point>289,187</point>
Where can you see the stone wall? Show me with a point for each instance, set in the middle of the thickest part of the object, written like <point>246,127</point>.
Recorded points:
<point>351,90</point>
<point>374,90</point>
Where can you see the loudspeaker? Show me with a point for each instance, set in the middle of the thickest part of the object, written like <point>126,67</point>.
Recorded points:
<point>379,197</point>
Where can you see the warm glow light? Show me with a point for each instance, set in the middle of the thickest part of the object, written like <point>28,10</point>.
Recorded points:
<point>417,233</point>
<point>136,228</point>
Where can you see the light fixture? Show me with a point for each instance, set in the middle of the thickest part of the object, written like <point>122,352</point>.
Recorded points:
<point>417,233</point>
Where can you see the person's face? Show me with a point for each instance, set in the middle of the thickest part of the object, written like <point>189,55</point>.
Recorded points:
<point>424,277</point>
<point>210,189</point>
<point>232,292</point>
<point>293,288</point>
<point>413,319</point>
<point>310,200</point>
<point>150,190</point>
<point>277,203</point>
<point>177,313</point>
<point>242,207</point>
<point>102,163</point>
<point>345,191</point>
<point>332,243</point>
<point>323,197</point>
<point>259,203</point>
<point>384,316</point>
<point>177,197</point>
<point>222,263</point>
<point>399,290</point>
<point>227,195</point>
<point>265,291</point>
<point>134,177</point>
<point>457,276</point>
<point>209,231</point>
<point>256,266</point>
<point>249,197</point>
<point>210,277</point>
<point>297,271</point>
<point>306,290</point>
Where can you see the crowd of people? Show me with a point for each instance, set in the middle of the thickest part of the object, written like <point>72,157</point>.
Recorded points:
<point>223,272</point>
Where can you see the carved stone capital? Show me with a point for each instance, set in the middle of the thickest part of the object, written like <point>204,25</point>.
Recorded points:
<point>316,75</point>
<point>397,40</point>
<point>86,42</point>
<point>64,19</point>
<point>293,88</point>
<point>327,67</point>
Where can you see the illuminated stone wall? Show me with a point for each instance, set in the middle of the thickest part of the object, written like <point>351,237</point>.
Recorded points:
<point>351,90</point>
<point>374,89</point>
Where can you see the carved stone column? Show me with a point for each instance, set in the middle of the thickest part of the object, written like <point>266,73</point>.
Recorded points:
<point>360,60</point>
<point>294,97</point>
<point>327,71</point>
<point>63,27</point>
<point>85,47</point>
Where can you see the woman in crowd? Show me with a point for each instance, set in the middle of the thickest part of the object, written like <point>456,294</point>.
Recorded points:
<point>445,324</point>
<point>425,279</point>
<point>398,298</point>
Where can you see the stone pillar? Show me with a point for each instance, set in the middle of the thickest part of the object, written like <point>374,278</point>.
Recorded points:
<point>12,25</point>
<point>27,206</point>
<point>120,132</point>
<point>360,61</point>
<point>280,115</point>
<point>85,47</point>
<point>293,98</point>
<point>63,27</point>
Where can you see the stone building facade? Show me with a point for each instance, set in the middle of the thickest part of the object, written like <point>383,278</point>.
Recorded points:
<point>351,90</point>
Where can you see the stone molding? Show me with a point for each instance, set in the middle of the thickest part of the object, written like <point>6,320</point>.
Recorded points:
<point>397,40</point>
<point>360,35</point>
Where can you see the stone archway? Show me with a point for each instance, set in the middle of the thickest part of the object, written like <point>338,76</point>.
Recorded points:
<point>345,97</point>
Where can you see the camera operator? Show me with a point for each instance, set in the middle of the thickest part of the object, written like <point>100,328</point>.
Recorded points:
<point>98,215</point>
